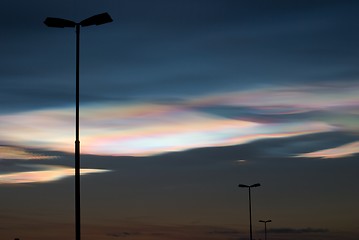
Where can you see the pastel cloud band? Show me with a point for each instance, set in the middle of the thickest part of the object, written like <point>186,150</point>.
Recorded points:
<point>145,129</point>
<point>142,134</point>
<point>45,173</point>
<point>346,150</point>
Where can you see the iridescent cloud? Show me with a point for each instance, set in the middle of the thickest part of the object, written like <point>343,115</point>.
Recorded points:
<point>290,99</point>
<point>7,152</point>
<point>144,129</point>
<point>44,173</point>
<point>346,150</point>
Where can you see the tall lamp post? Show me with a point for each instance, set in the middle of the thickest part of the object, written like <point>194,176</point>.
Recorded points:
<point>250,205</point>
<point>98,19</point>
<point>265,227</point>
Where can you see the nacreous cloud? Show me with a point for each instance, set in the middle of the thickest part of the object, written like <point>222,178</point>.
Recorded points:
<point>15,153</point>
<point>44,173</point>
<point>292,99</point>
<point>141,130</point>
<point>346,150</point>
<point>144,129</point>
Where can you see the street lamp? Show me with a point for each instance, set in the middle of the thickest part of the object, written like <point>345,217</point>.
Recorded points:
<point>250,204</point>
<point>98,19</point>
<point>265,227</point>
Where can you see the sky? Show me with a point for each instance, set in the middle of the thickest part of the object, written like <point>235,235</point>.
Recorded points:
<point>181,101</point>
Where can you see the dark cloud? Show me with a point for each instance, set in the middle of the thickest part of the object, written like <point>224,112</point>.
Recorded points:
<point>162,48</point>
<point>225,232</point>
<point>291,147</point>
<point>122,234</point>
<point>299,230</point>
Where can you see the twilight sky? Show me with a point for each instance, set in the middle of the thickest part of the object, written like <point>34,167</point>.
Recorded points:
<point>180,102</point>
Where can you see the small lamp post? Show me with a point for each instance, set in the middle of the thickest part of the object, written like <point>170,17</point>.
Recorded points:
<point>265,227</point>
<point>250,204</point>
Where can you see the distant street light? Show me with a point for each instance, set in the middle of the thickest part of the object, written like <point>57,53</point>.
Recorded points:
<point>265,227</point>
<point>64,23</point>
<point>250,205</point>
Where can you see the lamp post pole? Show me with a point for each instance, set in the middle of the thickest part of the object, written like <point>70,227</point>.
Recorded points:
<point>62,23</point>
<point>250,205</point>
<point>77,141</point>
<point>265,227</point>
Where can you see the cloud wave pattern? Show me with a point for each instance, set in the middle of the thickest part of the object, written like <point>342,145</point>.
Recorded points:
<point>143,129</point>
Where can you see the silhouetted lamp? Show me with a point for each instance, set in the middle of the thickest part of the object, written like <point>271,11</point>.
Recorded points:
<point>265,227</point>
<point>63,23</point>
<point>98,19</point>
<point>250,204</point>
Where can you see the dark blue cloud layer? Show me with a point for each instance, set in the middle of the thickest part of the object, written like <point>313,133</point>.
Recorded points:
<point>172,49</point>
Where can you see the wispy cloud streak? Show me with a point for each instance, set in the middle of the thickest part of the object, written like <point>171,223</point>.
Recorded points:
<point>346,150</point>
<point>15,153</point>
<point>290,99</point>
<point>44,173</point>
